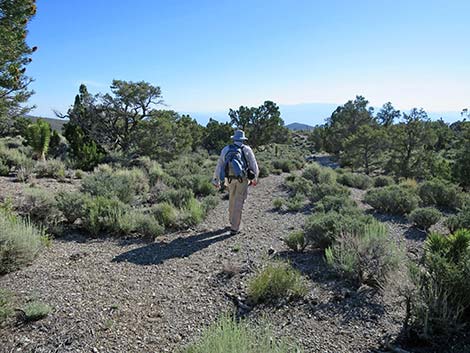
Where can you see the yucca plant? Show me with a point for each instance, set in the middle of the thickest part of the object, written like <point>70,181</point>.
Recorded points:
<point>38,136</point>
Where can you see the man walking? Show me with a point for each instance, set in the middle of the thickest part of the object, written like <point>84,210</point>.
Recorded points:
<point>237,168</point>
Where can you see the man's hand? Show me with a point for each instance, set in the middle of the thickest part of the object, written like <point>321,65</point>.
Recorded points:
<point>254,182</point>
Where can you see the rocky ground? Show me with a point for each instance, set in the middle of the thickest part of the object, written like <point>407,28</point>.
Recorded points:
<point>112,295</point>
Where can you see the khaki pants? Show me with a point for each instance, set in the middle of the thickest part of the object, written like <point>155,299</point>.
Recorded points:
<point>238,193</point>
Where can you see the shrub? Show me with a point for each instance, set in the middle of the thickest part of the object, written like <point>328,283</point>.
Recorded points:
<point>439,193</point>
<point>232,336</point>
<point>192,214</point>
<point>295,204</point>
<point>126,185</point>
<point>326,176</point>
<point>6,307</point>
<point>296,241</point>
<point>461,220</point>
<point>299,186</point>
<point>319,191</point>
<point>264,171</point>
<point>24,171</point>
<point>354,180</point>
<point>36,311</point>
<point>20,242</point>
<point>276,281</point>
<point>283,164</point>
<point>322,229</point>
<point>71,204</point>
<point>334,203</point>
<point>393,199</point>
<point>278,203</point>
<point>199,184</point>
<point>366,256</point>
<point>166,214</point>
<point>178,198</point>
<point>50,169</point>
<point>209,203</point>
<point>277,171</point>
<point>311,172</point>
<point>425,217</point>
<point>383,180</point>
<point>146,225</point>
<point>441,300</point>
<point>42,207</point>
<point>107,215</point>
<point>4,169</point>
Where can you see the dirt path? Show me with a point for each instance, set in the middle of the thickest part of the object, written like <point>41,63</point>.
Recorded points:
<point>111,296</point>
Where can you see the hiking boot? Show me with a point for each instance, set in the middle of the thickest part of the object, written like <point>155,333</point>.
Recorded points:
<point>234,232</point>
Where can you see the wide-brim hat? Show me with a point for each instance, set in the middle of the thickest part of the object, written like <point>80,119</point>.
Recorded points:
<point>239,135</point>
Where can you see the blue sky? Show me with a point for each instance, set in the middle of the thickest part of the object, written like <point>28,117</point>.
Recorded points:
<point>209,56</point>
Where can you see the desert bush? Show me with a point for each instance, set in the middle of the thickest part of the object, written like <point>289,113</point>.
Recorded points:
<point>178,198</point>
<point>36,310</point>
<point>278,203</point>
<point>6,305</point>
<point>366,256</point>
<point>283,164</point>
<point>276,171</point>
<point>276,281</point>
<point>334,203</point>
<point>409,183</point>
<point>209,203</point>
<point>71,204</point>
<point>392,199</point>
<point>25,170</point>
<point>295,204</point>
<point>53,168</point>
<point>167,214</point>
<point>199,184</point>
<point>311,172</point>
<point>441,300</point>
<point>41,206</point>
<point>103,215</point>
<point>322,229</point>
<point>126,185</point>
<point>192,214</point>
<point>355,180</point>
<point>264,170</point>
<point>232,336</point>
<point>20,241</point>
<point>319,191</point>
<point>296,241</point>
<point>461,220</point>
<point>146,225</point>
<point>425,217</point>
<point>4,169</point>
<point>383,180</point>
<point>441,194</point>
<point>299,186</point>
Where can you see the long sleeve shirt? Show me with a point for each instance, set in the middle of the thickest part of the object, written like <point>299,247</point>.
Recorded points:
<point>250,158</point>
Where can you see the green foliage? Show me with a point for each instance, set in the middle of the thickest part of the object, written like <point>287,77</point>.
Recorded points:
<point>319,191</point>
<point>393,199</point>
<point>322,229</point>
<point>126,185</point>
<point>6,305</point>
<point>216,136</point>
<point>263,125</point>
<point>85,153</point>
<point>36,310</point>
<point>179,198</point>
<point>50,169</point>
<point>146,225</point>
<point>228,335</point>
<point>441,194</point>
<point>166,214</point>
<point>311,172</point>
<point>461,220</point>
<point>354,180</point>
<point>209,203</point>
<point>40,205</point>
<point>193,213</point>
<point>383,180</point>
<point>264,170</point>
<point>299,186</point>
<point>283,164</point>
<point>441,300</point>
<point>277,281</point>
<point>296,241</point>
<point>20,242</point>
<point>364,149</point>
<point>461,167</point>
<point>295,204</point>
<point>38,136</point>
<point>334,203</point>
<point>110,216</point>
<point>71,205</point>
<point>278,203</point>
<point>366,256</point>
<point>4,169</point>
<point>15,54</point>
<point>25,170</point>
<point>425,217</point>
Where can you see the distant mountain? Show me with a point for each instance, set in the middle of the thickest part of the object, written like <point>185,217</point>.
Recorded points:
<point>56,124</point>
<point>299,127</point>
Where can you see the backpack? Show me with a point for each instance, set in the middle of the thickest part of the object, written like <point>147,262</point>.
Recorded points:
<point>236,165</point>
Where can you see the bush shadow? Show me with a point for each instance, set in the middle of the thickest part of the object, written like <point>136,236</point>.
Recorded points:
<point>157,253</point>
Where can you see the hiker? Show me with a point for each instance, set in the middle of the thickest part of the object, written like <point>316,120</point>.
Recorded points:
<point>237,169</point>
